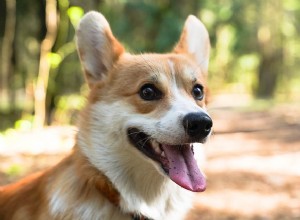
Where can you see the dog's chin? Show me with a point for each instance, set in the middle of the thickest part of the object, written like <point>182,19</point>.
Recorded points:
<point>176,160</point>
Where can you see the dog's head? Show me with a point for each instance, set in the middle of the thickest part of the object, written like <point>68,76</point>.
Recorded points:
<point>150,105</point>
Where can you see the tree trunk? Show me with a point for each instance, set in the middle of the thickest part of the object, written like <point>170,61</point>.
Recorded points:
<point>269,72</point>
<point>270,47</point>
<point>44,65</point>
<point>7,49</point>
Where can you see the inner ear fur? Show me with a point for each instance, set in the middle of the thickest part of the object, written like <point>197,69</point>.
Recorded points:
<point>97,47</point>
<point>194,41</point>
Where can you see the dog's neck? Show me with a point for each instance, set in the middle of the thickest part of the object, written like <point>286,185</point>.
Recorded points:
<point>96,177</point>
<point>101,182</point>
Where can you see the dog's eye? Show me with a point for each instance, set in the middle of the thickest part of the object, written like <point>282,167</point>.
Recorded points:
<point>198,92</point>
<point>149,92</point>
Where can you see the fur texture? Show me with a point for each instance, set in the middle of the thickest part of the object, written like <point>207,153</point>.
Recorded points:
<point>106,177</point>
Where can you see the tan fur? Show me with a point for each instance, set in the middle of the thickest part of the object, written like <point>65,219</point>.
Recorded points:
<point>105,177</point>
<point>27,199</point>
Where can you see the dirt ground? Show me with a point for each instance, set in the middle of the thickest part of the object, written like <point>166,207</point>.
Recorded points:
<point>252,164</point>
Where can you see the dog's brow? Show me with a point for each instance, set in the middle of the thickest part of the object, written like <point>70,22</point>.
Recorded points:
<point>149,64</point>
<point>192,72</point>
<point>154,78</point>
<point>194,80</point>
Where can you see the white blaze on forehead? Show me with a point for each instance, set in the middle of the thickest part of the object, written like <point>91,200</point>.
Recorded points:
<point>171,65</point>
<point>174,86</point>
<point>180,102</point>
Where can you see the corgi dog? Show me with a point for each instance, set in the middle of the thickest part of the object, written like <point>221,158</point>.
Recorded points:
<point>137,139</point>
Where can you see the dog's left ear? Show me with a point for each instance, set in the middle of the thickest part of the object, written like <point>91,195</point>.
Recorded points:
<point>194,41</point>
<point>98,49</point>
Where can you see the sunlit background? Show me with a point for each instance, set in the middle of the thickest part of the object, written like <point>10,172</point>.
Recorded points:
<point>253,159</point>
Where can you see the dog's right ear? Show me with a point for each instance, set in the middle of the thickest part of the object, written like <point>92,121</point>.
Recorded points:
<point>98,49</point>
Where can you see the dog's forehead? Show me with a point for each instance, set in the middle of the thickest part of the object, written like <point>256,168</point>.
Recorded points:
<point>160,68</point>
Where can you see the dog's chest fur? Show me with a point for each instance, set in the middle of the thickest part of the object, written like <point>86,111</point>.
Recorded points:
<point>69,204</point>
<point>74,194</point>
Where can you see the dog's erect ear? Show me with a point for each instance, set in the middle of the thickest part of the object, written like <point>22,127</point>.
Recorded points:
<point>98,49</point>
<point>194,41</point>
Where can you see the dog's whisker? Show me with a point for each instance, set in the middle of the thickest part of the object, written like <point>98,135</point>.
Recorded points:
<point>137,132</point>
<point>144,141</point>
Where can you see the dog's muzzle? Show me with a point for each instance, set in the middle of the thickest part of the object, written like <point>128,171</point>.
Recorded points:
<point>177,160</point>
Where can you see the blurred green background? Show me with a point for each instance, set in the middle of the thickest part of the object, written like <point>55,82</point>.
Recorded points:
<point>255,50</point>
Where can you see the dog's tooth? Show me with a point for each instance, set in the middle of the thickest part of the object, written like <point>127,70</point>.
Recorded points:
<point>163,154</point>
<point>155,146</point>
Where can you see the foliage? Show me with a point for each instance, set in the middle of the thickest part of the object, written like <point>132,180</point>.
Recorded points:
<point>255,47</point>
<point>14,170</point>
<point>67,108</point>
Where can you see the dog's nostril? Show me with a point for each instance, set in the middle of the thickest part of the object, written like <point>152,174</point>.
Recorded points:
<point>192,127</point>
<point>208,125</point>
<point>197,125</point>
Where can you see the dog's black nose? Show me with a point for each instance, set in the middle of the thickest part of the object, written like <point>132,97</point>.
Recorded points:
<point>197,125</point>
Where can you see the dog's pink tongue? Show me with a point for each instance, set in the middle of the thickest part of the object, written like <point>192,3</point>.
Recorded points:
<point>183,168</point>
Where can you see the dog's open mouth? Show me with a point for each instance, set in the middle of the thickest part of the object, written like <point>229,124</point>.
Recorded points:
<point>177,161</point>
